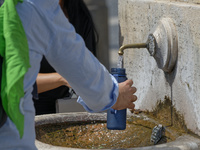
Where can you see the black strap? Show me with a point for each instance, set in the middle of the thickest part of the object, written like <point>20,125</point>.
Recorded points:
<point>3,115</point>
<point>35,92</point>
<point>1,2</point>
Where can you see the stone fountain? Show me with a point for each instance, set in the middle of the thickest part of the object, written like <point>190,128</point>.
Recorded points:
<point>155,79</point>
<point>44,123</point>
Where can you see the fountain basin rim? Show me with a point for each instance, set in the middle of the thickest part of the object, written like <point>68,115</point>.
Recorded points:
<point>69,117</point>
<point>183,142</point>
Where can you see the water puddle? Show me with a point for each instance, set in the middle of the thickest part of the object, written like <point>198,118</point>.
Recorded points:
<point>95,135</point>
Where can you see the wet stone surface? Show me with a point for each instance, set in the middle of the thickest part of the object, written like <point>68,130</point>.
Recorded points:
<point>95,135</point>
<point>89,131</point>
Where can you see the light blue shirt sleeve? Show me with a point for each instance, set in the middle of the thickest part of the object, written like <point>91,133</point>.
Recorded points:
<point>50,34</point>
<point>113,97</point>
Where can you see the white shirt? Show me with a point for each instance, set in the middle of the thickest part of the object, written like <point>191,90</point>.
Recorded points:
<point>50,34</point>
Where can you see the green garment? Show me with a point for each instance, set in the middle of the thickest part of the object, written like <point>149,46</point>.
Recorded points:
<point>15,52</point>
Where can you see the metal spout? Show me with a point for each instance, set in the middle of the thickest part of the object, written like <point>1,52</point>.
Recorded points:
<point>137,45</point>
<point>149,45</point>
<point>162,45</point>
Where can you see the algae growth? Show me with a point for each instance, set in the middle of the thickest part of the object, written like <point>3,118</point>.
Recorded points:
<point>90,135</point>
<point>95,135</point>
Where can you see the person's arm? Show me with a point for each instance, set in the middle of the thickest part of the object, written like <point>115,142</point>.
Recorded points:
<point>67,53</point>
<point>49,81</point>
<point>97,88</point>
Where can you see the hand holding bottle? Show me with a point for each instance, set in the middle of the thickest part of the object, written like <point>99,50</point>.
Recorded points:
<point>126,96</point>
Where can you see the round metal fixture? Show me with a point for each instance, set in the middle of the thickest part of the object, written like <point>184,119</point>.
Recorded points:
<point>166,45</point>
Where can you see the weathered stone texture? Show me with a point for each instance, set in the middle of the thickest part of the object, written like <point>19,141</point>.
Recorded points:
<point>185,1</point>
<point>137,20</point>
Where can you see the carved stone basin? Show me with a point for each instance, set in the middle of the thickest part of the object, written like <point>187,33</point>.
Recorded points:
<point>84,130</point>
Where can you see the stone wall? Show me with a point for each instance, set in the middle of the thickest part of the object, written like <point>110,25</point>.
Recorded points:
<point>137,19</point>
<point>185,1</point>
<point>99,12</point>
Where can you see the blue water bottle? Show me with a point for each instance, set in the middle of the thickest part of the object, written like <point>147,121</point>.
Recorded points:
<point>116,119</point>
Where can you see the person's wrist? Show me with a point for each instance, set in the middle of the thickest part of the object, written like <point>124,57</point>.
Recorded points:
<point>61,81</point>
<point>116,106</point>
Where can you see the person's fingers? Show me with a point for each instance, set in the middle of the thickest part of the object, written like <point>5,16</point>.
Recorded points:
<point>133,90</point>
<point>134,98</point>
<point>129,82</point>
<point>131,106</point>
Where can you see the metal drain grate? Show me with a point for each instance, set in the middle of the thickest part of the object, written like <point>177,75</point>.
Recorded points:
<point>157,134</point>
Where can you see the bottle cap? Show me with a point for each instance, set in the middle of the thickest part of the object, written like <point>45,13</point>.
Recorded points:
<point>121,71</point>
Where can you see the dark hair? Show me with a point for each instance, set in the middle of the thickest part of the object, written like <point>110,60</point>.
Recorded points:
<point>1,2</point>
<point>81,19</point>
<point>79,16</point>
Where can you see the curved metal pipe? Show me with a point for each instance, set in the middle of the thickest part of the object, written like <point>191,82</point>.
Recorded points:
<point>137,45</point>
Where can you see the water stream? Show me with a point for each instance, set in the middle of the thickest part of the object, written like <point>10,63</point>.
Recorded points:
<point>120,61</point>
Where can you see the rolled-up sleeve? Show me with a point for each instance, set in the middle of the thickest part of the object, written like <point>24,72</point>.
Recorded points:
<point>87,76</point>
<point>112,99</point>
